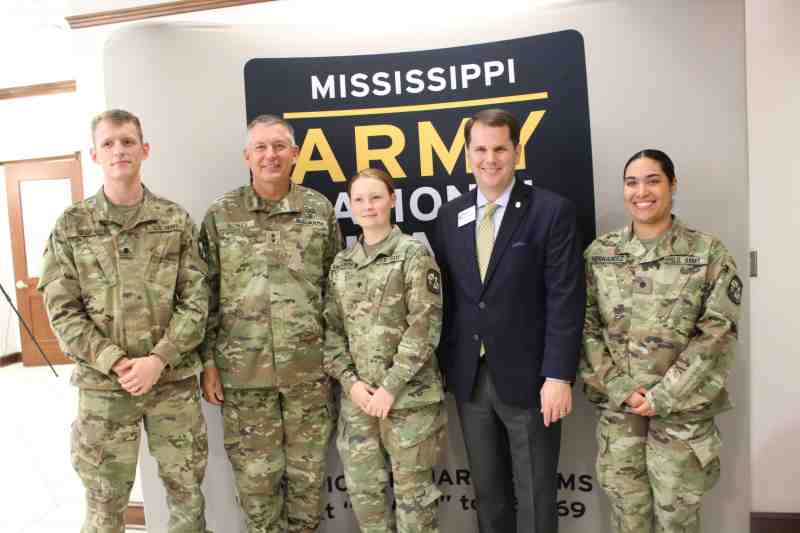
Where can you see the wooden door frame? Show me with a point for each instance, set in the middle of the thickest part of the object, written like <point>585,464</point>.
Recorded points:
<point>16,225</point>
<point>15,208</point>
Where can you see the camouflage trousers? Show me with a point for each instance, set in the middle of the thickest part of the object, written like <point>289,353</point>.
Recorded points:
<point>656,471</point>
<point>105,447</point>
<point>411,440</point>
<point>276,440</point>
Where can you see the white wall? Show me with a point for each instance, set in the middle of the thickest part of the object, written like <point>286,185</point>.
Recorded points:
<point>773,110</point>
<point>35,48</point>
<point>40,126</point>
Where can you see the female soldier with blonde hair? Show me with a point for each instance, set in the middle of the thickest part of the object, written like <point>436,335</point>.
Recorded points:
<point>384,314</point>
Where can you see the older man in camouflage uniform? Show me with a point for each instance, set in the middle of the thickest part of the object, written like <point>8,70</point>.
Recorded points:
<point>660,328</point>
<point>384,317</point>
<point>269,246</point>
<point>126,293</point>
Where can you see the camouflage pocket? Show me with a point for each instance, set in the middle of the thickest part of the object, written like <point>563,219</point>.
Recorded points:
<point>163,267</point>
<point>427,494</point>
<point>422,455</point>
<point>93,260</point>
<point>305,260</point>
<point>83,451</point>
<point>200,451</point>
<point>706,447</point>
<point>413,480</point>
<point>242,258</point>
<point>305,245</point>
<point>684,300</point>
<point>409,427</point>
<point>231,428</point>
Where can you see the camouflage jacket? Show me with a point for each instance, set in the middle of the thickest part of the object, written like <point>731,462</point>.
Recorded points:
<point>664,320</point>
<point>267,267</point>
<point>133,291</point>
<point>384,317</point>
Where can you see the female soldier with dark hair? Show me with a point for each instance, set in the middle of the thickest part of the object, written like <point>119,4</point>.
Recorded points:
<point>383,312</point>
<point>661,311</point>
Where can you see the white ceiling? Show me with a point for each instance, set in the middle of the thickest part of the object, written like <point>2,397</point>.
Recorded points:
<point>41,40</point>
<point>22,14</point>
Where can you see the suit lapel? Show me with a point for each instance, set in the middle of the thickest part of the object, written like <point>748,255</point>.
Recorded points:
<point>466,245</point>
<point>516,210</point>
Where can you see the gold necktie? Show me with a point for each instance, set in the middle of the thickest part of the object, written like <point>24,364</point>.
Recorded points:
<point>484,236</point>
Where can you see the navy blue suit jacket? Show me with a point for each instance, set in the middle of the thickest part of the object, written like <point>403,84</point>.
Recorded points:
<point>529,310</point>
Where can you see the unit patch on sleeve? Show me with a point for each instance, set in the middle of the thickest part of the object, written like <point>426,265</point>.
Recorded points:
<point>434,281</point>
<point>735,290</point>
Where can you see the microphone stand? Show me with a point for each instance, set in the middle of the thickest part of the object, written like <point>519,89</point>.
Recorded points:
<point>30,333</point>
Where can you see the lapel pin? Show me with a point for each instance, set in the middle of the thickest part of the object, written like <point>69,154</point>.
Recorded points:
<point>518,205</point>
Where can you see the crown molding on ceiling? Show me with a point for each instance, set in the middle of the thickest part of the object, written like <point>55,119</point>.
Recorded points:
<point>40,89</point>
<point>151,11</point>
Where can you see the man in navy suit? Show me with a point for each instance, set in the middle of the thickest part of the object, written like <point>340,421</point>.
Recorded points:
<point>514,297</point>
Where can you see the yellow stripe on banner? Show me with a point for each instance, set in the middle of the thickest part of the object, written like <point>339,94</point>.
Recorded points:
<point>417,107</point>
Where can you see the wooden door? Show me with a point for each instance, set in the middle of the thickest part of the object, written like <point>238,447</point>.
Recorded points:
<point>38,192</point>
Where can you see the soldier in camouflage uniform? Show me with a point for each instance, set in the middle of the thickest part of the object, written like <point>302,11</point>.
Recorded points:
<point>660,329</point>
<point>127,296</point>
<point>384,316</point>
<point>269,246</point>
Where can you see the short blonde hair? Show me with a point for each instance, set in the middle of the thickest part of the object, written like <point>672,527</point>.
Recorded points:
<point>118,117</point>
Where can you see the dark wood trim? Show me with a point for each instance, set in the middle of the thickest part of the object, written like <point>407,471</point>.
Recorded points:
<point>134,516</point>
<point>151,11</point>
<point>10,359</point>
<point>40,89</point>
<point>774,522</point>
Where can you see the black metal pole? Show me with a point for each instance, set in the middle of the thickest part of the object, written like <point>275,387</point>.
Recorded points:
<point>30,333</point>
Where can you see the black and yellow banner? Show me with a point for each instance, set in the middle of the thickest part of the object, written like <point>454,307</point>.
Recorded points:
<point>405,113</point>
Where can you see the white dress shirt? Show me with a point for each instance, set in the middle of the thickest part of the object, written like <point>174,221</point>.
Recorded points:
<point>501,202</point>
